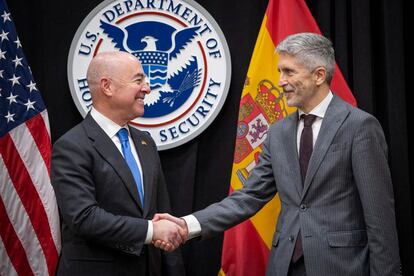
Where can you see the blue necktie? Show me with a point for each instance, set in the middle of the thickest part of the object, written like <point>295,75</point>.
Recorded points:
<point>132,163</point>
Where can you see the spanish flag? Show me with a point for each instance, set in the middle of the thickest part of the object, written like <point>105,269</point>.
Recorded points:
<point>246,247</point>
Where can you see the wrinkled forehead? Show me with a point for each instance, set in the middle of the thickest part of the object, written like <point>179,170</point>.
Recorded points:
<point>287,60</point>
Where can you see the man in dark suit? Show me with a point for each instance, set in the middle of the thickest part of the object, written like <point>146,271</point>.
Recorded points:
<point>109,183</point>
<point>328,162</point>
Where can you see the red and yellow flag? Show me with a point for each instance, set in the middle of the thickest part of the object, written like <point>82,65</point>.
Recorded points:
<point>246,247</point>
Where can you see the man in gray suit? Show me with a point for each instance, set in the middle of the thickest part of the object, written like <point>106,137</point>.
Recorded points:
<point>109,183</point>
<point>328,162</point>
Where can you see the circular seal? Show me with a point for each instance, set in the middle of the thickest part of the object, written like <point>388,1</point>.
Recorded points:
<point>183,53</point>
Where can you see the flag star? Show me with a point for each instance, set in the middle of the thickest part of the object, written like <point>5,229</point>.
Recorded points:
<point>31,86</point>
<point>9,116</point>
<point>1,74</point>
<point>2,54</point>
<point>18,44</point>
<point>3,35</point>
<point>15,80</point>
<point>29,104</point>
<point>6,16</point>
<point>12,98</point>
<point>17,61</point>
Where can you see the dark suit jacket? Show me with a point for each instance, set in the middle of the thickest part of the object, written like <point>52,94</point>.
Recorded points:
<point>103,223</point>
<point>345,210</point>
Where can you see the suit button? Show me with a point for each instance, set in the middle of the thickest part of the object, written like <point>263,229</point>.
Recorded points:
<point>303,207</point>
<point>291,238</point>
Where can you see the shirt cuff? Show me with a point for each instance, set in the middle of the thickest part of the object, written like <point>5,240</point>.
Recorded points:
<point>193,225</point>
<point>150,233</point>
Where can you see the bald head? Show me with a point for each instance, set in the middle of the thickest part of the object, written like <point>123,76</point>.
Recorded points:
<point>106,64</point>
<point>117,85</point>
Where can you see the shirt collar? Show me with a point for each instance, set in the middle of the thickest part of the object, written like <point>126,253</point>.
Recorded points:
<point>321,108</point>
<point>111,128</point>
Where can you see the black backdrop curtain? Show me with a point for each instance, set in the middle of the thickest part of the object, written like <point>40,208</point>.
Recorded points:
<point>369,38</point>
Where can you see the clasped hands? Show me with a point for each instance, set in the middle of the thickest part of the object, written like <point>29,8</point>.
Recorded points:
<point>169,232</point>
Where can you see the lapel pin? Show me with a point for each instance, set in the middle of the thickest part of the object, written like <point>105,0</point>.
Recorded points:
<point>143,142</point>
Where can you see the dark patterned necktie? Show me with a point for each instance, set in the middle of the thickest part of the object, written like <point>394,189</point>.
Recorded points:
<point>306,144</point>
<point>305,152</point>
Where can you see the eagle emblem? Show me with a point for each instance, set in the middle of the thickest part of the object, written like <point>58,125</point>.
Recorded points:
<point>167,61</point>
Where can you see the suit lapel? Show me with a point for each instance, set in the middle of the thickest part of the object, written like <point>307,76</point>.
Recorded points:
<point>292,151</point>
<point>106,148</point>
<point>334,117</point>
<point>143,148</point>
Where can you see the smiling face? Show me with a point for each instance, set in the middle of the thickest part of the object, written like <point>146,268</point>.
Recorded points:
<point>301,87</point>
<point>129,88</point>
<point>118,86</point>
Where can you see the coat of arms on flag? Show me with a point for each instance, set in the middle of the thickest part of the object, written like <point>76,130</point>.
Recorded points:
<point>255,117</point>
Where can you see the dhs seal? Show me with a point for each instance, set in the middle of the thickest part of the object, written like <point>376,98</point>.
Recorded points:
<point>182,51</point>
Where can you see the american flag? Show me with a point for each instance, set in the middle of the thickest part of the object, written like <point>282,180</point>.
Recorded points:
<point>29,218</point>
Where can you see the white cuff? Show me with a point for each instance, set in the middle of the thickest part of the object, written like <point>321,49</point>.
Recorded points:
<point>150,233</point>
<point>194,227</point>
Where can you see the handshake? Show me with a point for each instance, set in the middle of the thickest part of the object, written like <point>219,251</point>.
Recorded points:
<point>169,232</point>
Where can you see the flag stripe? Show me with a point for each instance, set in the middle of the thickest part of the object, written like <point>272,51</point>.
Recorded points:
<point>6,267</point>
<point>12,245</point>
<point>39,131</point>
<point>46,122</point>
<point>291,11</point>
<point>31,233</point>
<point>36,167</point>
<point>22,225</point>
<point>242,262</point>
<point>264,221</point>
<point>30,199</point>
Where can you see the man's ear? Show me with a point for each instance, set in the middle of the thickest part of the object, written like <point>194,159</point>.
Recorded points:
<point>106,86</point>
<point>320,75</point>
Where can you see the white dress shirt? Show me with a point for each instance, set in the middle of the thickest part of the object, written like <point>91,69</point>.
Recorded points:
<point>194,227</point>
<point>111,129</point>
<point>319,111</point>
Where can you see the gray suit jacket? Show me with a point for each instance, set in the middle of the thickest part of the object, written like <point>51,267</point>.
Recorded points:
<point>104,225</point>
<point>345,210</point>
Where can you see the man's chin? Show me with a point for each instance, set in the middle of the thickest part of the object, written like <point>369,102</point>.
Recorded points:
<point>139,114</point>
<point>139,111</point>
<point>136,114</point>
<point>290,102</point>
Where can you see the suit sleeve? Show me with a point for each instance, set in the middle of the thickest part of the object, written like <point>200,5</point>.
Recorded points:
<point>73,181</point>
<point>241,204</point>
<point>373,179</point>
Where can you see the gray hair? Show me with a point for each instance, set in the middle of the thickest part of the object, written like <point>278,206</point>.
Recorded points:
<point>312,50</point>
